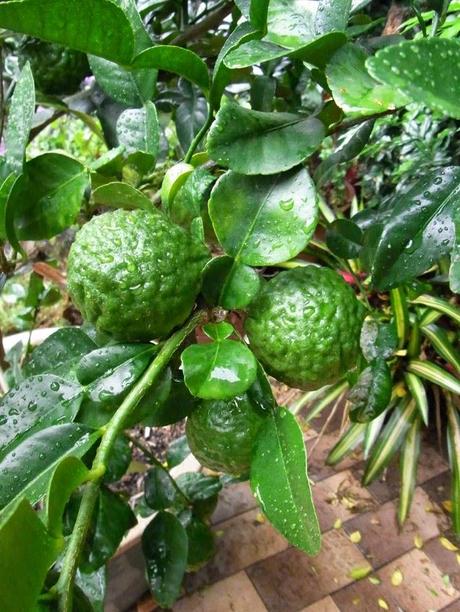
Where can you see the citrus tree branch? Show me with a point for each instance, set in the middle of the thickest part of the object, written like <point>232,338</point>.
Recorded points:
<point>115,426</point>
<point>200,28</point>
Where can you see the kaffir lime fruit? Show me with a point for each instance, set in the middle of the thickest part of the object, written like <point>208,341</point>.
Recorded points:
<point>56,69</point>
<point>221,433</point>
<point>134,274</point>
<point>304,327</point>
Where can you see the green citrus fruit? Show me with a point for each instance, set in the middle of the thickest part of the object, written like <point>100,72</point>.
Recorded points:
<point>134,274</point>
<point>56,69</point>
<point>221,433</point>
<point>304,327</point>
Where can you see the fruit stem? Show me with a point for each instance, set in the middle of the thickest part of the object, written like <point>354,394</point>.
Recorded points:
<point>115,426</point>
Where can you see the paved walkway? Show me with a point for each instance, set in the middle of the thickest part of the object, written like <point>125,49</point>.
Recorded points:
<point>255,570</point>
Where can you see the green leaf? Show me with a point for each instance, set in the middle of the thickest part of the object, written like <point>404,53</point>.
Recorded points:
<point>20,117</point>
<point>378,339</point>
<point>100,28</point>
<point>160,493</point>
<point>177,451</point>
<point>112,520</point>
<point>399,307</point>
<point>263,89</point>
<point>332,16</point>
<point>121,195</point>
<point>218,331</point>
<point>5,190</point>
<point>280,483</point>
<point>60,352</point>
<point>94,587</point>
<point>344,238</point>
<point>327,395</point>
<point>442,345</point>
<point>119,460</point>
<point>454,272</point>
<point>181,61</point>
<point>372,433</point>
<point>264,220</point>
<point>390,440</point>
<point>252,142</point>
<point>139,132</point>
<point>219,370</point>
<point>46,199</point>
<point>21,476</point>
<point>419,231</point>
<point>221,74</point>
<point>440,305</point>
<point>34,404</point>
<point>254,10</point>
<point>198,487</point>
<point>435,374</point>
<point>190,115</point>
<point>173,181</point>
<point>27,552</point>
<point>165,548</point>
<point>371,395</point>
<point>229,284</point>
<point>201,546</point>
<point>191,200</point>
<point>348,147</point>
<point>410,453</point>
<point>418,392</point>
<point>69,474</point>
<point>414,68</point>
<point>353,88</point>
<point>453,439</point>
<point>102,361</point>
<point>347,443</point>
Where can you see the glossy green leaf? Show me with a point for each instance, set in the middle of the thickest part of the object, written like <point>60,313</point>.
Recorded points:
<point>191,200</point>
<point>413,68</point>
<point>27,552</point>
<point>453,439</point>
<point>454,272</point>
<point>371,395</point>
<point>160,493</point>
<point>410,453</point>
<point>317,52</point>
<point>201,546</point>
<point>399,307</point>
<point>119,460</point>
<point>5,190</point>
<point>113,518</point>
<point>69,474</point>
<point>435,374</point>
<point>439,304</point>
<point>222,74</point>
<point>347,443</point>
<point>442,345</point>
<point>378,339</point>
<point>252,142</point>
<point>332,16</point>
<point>181,61</point>
<point>419,231</point>
<point>121,195</point>
<point>21,476</point>
<point>190,115</point>
<point>165,548</point>
<point>264,220</point>
<point>344,238</point>
<point>101,28</point>
<point>254,10</point>
<point>20,117</point>
<point>94,587</point>
<point>348,147</point>
<point>418,392</point>
<point>177,451</point>
<point>173,180</point>
<point>280,483</point>
<point>263,89</point>
<point>101,361</point>
<point>60,352</point>
<point>198,487</point>
<point>139,132</point>
<point>36,403</point>
<point>218,331</point>
<point>390,440</point>
<point>229,284</point>
<point>353,88</point>
<point>219,370</point>
<point>127,86</point>
<point>46,199</point>
<point>372,433</point>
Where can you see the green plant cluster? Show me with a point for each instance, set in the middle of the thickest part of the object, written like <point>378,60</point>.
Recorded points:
<point>267,190</point>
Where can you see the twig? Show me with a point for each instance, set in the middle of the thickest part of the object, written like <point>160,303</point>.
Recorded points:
<point>325,426</point>
<point>209,23</point>
<point>63,588</point>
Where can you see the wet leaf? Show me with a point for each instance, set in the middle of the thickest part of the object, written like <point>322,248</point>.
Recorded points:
<point>371,395</point>
<point>122,195</point>
<point>229,284</point>
<point>20,117</point>
<point>138,131</point>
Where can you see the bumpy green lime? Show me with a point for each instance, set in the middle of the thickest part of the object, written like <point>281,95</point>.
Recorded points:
<point>221,433</point>
<point>56,69</point>
<point>134,274</point>
<point>304,327</point>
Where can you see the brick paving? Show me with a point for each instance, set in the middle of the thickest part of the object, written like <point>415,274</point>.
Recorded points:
<point>410,570</point>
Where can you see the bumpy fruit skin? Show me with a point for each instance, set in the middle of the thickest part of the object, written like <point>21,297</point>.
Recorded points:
<point>221,433</point>
<point>134,274</point>
<point>56,69</point>
<point>304,327</point>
